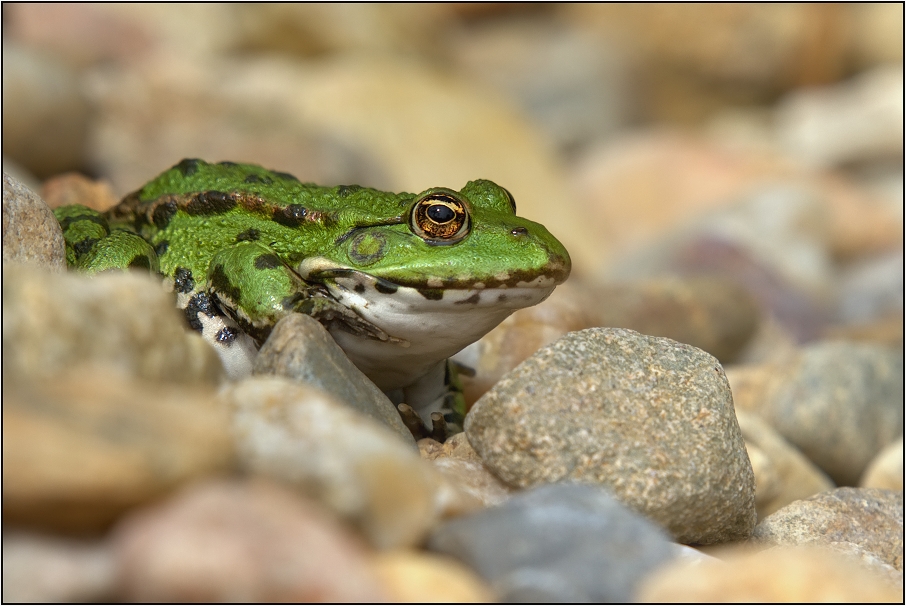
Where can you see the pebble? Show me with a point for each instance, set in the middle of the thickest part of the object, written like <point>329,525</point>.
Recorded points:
<point>47,568</point>
<point>871,518</point>
<point>886,469</point>
<point>783,574</point>
<point>655,424</point>
<point>31,234</point>
<point>786,475</point>
<point>122,322</point>
<point>871,289</point>
<point>557,543</point>
<point>300,348</point>
<point>352,465</point>
<point>76,456</point>
<point>857,385</point>
<point>45,113</point>
<point>710,313</point>
<point>240,541</point>
<point>423,577</point>
<point>459,463</point>
<point>75,188</point>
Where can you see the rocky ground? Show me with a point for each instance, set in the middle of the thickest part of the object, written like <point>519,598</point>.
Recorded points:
<point>710,409</point>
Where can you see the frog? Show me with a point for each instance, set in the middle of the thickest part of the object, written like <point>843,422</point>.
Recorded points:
<point>401,281</point>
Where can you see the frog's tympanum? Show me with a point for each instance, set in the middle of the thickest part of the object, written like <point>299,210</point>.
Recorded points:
<point>401,281</point>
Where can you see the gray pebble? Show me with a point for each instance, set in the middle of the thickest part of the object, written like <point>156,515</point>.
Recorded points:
<point>557,543</point>
<point>31,233</point>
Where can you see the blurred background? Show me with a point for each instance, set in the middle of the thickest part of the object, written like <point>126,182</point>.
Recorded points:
<point>756,143</point>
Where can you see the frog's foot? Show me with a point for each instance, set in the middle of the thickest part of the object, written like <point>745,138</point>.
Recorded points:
<point>439,430</point>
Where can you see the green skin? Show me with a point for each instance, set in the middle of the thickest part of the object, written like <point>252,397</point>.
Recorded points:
<point>241,240</point>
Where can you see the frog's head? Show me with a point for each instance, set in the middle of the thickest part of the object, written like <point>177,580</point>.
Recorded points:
<point>446,264</point>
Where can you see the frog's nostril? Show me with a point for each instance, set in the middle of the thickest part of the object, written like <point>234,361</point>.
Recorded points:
<point>519,231</point>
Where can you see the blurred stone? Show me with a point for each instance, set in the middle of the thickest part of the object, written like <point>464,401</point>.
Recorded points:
<point>871,518</point>
<point>300,348</point>
<point>871,289</point>
<point>45,114</point>
<point>557,543</point>
<point>712,314</point>
<point>45,568</point>
<point>31,234</point>
<point>354,466</point>
<point>856,121</point>
<point>76,188</point>
<point>655,424</point>
<point>78,451</point>
<point>886,469</point>
<point>570,307</point>
<point>576,85</point>
<point>121,321</point>
<point>422,577</point>
<point>840,403</point>
<point>785,575</point>
<point>460,464</point>
<point>240,541</point>
<point>788,476</point>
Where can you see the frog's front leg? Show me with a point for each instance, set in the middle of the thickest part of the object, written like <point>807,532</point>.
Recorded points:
<point>254,287</point>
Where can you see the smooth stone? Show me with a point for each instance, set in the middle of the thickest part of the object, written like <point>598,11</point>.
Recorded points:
<point>300,348</point>
<point>783,574</point>
<point>420,577</point>
<point>839,402</point>
<point>79,451</point>
<point>121,321</point>
<point>655,425</point>
<point>557,543</point>
<point>76,188</point>
<point>710,313</point>
<point>45,112</point>
<point>461,465</point>
<point>240,541</point>
<point>354,466</point>
<point>871,518</point>
<point>31,234</point>
<point>45,568</point>
<point>871,289</point>
<point>886,469</point>
<point>787,475</point>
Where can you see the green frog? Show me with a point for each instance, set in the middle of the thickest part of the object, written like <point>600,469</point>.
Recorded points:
<point>402,281</point>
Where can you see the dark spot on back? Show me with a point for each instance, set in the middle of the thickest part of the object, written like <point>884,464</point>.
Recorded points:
<point>345,190</point>
<point>83,246</point>
<point>199,303</point>
<point>220,284</point>
<point>227,163</point>
<point>210,203</point>
<point>253,178</point>
<point>163,213</point>
<point>290,216</point>
<point>140,262</point>
<point>188,167</point>
<point>249,235</point>
<point>65,223</point>
<point>285,176</point>
<point>432,294</point>
<point>183,281</point>
<point>267,261</point>
<point>227,335</point>
<point>387,288</point>
<point>161,248</point>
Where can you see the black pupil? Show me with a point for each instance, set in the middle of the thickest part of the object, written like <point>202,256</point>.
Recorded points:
<point>440,213</point>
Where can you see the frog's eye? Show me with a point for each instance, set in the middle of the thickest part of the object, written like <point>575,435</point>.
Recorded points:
<point>511,199</point>
<point>440,218</point>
